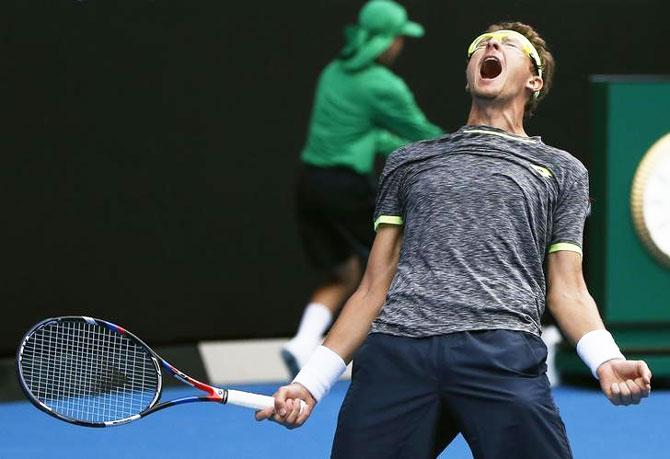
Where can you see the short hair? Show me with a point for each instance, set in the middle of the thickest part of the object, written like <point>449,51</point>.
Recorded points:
<point>548,62</point>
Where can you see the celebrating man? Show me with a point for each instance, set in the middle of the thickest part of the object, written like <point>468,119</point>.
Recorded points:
<point>476,232</point>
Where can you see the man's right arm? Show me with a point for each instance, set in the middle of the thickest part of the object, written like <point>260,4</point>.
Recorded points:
<point>353,326</point>
<point>350,329</point>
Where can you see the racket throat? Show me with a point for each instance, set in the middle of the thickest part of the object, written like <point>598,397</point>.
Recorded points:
<point>215,393</point>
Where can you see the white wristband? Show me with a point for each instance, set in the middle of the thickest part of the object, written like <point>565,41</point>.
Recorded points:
<point>597,347</point>
<point>322,370</point>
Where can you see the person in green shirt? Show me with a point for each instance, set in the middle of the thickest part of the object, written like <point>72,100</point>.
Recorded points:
<point>361,109</point>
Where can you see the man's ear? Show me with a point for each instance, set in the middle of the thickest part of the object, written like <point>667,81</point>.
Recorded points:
<point>535,84</point>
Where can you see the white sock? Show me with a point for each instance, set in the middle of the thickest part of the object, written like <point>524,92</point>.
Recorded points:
<point>315,321</point>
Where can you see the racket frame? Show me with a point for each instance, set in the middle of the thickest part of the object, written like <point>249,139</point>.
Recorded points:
<point>214,394</point>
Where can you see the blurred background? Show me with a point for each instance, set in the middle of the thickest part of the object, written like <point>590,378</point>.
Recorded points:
<point>149,148</point>
<point>148,157</point>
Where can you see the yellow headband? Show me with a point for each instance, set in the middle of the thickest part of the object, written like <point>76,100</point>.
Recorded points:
<point>499,35</point>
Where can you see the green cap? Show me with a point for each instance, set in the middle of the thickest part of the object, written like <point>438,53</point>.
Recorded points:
<point>379,23</point>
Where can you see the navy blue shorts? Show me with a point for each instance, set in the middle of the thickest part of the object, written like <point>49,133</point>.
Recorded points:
<point>409,398</point>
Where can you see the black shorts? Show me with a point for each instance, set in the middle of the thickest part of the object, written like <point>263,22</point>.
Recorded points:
<point>334,211</point>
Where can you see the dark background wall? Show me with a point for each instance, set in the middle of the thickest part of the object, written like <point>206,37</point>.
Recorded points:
<point>149,148</point>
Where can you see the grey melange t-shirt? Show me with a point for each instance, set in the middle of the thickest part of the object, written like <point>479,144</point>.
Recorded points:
<point>481,208</point>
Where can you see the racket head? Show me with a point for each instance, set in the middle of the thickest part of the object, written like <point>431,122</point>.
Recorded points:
<point>88,371</point>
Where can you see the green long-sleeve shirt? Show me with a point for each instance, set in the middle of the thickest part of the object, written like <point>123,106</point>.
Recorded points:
<point>359,114</point>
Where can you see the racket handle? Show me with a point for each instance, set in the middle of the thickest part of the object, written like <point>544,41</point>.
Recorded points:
<point>253,401</point>
<point>249,400</point>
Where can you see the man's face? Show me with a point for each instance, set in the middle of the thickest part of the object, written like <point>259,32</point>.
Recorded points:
<point>499,68</point>
<point>391,54</point>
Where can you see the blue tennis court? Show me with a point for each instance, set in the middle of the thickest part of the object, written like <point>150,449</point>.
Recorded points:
<point>596,429</point>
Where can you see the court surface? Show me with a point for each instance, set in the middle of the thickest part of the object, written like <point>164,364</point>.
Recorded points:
<point>596,430</point>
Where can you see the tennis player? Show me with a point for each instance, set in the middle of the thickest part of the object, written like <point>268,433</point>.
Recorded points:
<point>361,108</point>
<point>444,328</point>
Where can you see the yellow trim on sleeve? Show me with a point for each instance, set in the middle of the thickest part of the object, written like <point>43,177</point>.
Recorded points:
<point>565,246</point>
<point>388,220</point>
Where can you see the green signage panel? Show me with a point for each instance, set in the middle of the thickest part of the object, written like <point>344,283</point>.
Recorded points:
<point>629,276</point>
<point>636,286</point>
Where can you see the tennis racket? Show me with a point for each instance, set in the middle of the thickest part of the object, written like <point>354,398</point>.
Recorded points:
<point>91,372</point>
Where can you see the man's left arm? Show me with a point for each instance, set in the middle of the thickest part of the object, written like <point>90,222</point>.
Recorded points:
<point>624,382</point>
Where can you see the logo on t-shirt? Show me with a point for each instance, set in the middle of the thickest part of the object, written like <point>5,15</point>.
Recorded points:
<point>543,171</point>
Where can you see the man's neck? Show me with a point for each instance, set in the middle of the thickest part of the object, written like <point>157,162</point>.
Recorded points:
<point>509,118</point>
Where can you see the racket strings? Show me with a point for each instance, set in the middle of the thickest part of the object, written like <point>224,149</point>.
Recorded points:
<point>89,373</point>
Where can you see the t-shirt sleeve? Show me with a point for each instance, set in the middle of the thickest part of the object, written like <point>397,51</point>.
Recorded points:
<point>388,142</point>
<point>395,110</point>
<point>389,205</point>
<point>569,216</point>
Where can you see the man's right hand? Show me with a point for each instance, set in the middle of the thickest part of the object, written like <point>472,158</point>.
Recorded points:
<point>287,406</point>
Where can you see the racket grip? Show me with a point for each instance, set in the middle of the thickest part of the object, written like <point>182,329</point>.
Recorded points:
<point>249,400</point>
<point>253,401</point>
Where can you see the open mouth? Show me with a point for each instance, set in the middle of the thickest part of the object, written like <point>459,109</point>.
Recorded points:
<point>490,68</point>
